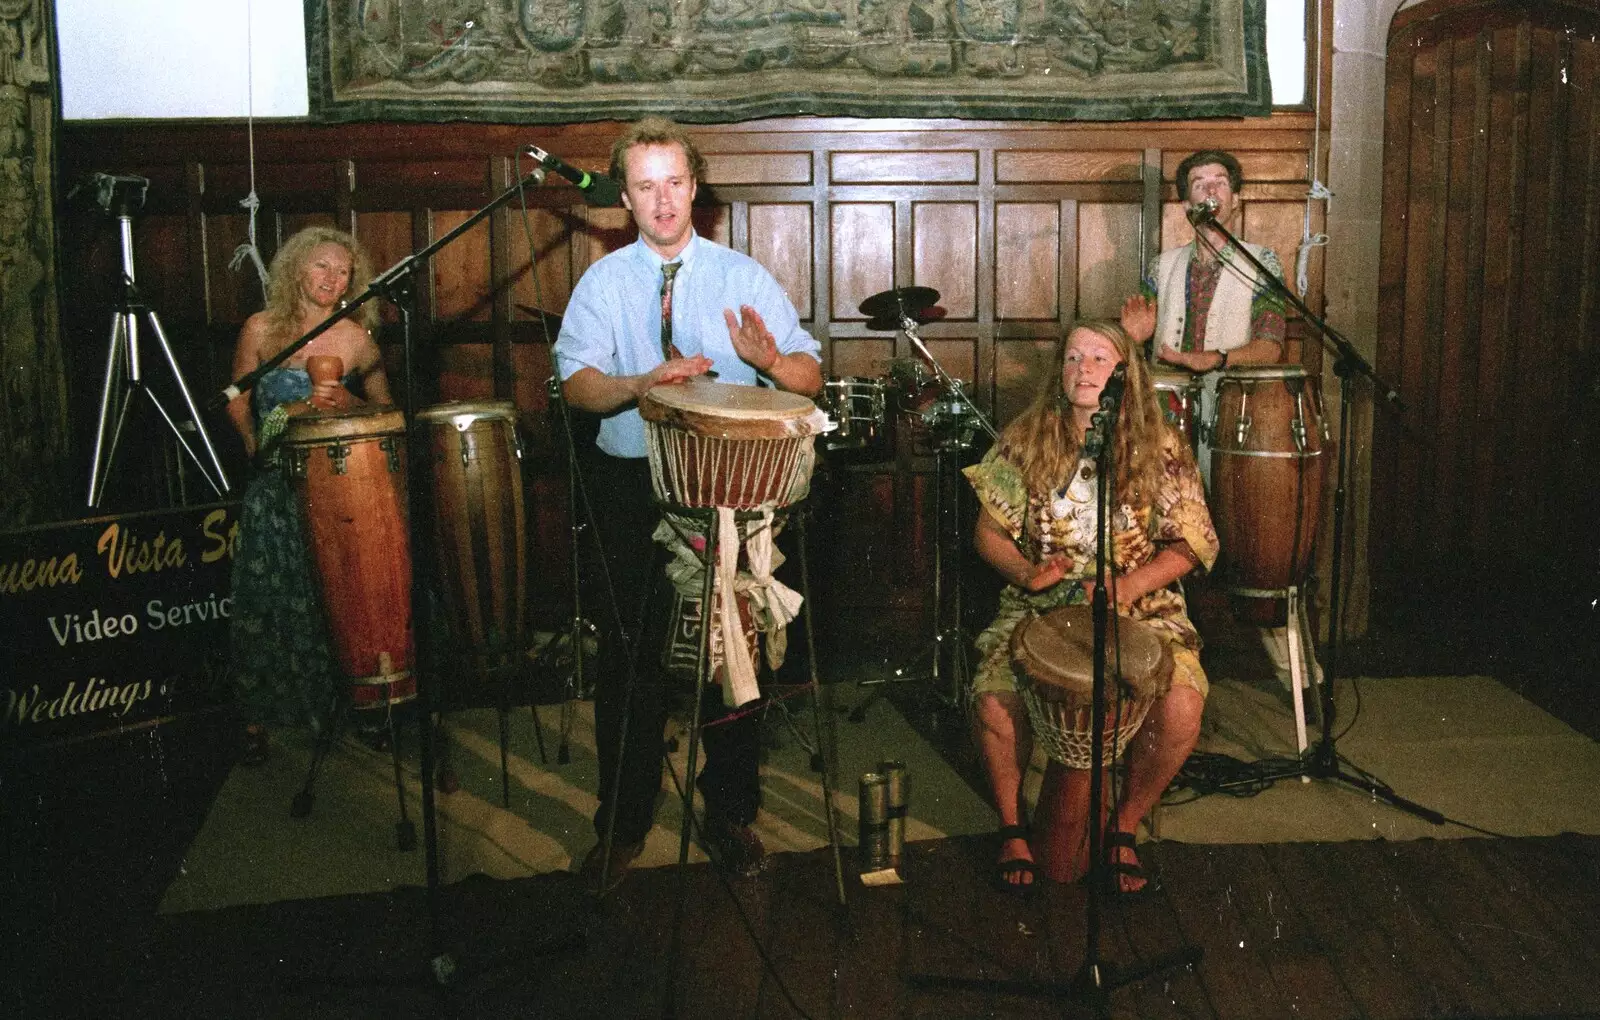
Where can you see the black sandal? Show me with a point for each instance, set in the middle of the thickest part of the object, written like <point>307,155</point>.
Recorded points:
<point>1014,868</point>
<point>1115,869</point>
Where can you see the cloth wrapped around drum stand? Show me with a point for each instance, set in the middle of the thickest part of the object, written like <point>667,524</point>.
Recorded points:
<point>1052,656</point>
<point>725,448</point>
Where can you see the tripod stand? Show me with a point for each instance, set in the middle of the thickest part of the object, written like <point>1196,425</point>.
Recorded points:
<point>125,375</point>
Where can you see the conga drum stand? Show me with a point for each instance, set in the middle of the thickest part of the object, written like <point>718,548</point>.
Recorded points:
<point>706,517</point>
<point>1302,652</point>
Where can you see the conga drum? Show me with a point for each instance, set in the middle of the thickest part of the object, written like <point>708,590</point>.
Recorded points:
<point>1178,394</point>
<point>347,469</point>
<point>479,538</point>
<point>714,444</point>
<point>1052,656</point>
<point>1267,472</point>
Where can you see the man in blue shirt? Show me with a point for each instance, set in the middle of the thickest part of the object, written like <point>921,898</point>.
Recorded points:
<point>668,307</point>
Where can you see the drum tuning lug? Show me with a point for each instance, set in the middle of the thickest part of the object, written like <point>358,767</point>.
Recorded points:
<point>1243,430</point>
<point>391,448</point>
<point>338,453</point>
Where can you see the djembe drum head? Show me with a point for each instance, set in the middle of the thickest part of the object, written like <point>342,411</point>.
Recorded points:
<point>1053,658</point>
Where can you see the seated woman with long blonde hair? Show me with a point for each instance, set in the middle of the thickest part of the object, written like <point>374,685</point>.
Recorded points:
<point>1037,527</point>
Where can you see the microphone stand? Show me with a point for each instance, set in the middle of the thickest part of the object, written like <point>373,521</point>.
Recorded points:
<point>1322,760</point>
<point>397,285</point>
<point>1095,979</point>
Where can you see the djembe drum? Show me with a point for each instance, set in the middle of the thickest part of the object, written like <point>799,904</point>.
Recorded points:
<point>1267,472</point>
<point>715,445</point>
<point>347,469</point>
<point>479,539</point>
<point>1053,658</point>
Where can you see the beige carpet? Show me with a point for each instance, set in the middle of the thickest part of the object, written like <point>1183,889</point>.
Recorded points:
<point>1465,746</point>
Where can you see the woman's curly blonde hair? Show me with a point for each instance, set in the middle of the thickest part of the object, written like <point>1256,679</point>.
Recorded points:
<point>283,278</point>
<point>1045,444</point>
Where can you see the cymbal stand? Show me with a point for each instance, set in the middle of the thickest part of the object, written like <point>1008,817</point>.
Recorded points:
<point>947,449</point>
<point>125,374</point>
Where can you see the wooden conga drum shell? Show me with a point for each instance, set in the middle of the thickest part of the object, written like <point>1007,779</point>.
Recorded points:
<point>716,444</point>
<point>480,541</point>
<point>1267,471</point>
<point>347,469</point>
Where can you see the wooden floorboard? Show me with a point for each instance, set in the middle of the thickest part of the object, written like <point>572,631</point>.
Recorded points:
<point>1491,928</point>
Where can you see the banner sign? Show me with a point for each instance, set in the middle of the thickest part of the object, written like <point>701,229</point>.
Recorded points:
<point>114,621</point>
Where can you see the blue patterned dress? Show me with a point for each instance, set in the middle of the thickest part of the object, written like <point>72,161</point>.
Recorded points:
<point>282,661</point>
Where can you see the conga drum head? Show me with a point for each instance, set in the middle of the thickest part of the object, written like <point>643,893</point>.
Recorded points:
<point>463,414</point>
<point>1055,651</point>
<point>344,423</point>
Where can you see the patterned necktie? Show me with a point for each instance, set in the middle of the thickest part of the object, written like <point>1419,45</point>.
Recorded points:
<point>668,271</point>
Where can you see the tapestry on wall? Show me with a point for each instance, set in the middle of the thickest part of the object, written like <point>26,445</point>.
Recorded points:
<point>554,61</point>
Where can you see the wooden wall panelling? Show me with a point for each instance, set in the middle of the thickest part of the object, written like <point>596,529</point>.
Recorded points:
<point>1490,205</point>
<point>1027,261</point>
<point>1108,257</point>
<point>1021,227</point>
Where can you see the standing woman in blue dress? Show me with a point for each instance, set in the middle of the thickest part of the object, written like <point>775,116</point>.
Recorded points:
<point>281,659</point>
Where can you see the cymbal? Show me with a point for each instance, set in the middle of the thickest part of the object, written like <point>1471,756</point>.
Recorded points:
<point>537,315</point>
<point>899,301</point>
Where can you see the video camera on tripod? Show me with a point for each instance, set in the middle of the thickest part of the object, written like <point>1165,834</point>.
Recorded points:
<point>121,196</point>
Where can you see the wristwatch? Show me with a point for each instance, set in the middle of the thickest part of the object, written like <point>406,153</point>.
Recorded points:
<point>1223,364</point>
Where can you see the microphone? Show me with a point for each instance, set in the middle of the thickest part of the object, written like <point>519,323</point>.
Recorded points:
<point>1111,393</point>
<point>597,189</point>
<point>1205,212</point>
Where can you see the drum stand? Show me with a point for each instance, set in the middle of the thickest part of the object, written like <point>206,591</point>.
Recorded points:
<point>125,366</point>
<point>707,519</point>
<point>300,806</point>
<point>950,438</point>
<point>949,687</point>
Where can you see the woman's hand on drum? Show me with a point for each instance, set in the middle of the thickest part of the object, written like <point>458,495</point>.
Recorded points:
<point>1139,318</point>
<point>331,394</point>
<point>751,338</point>
<point>1048,574</point>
